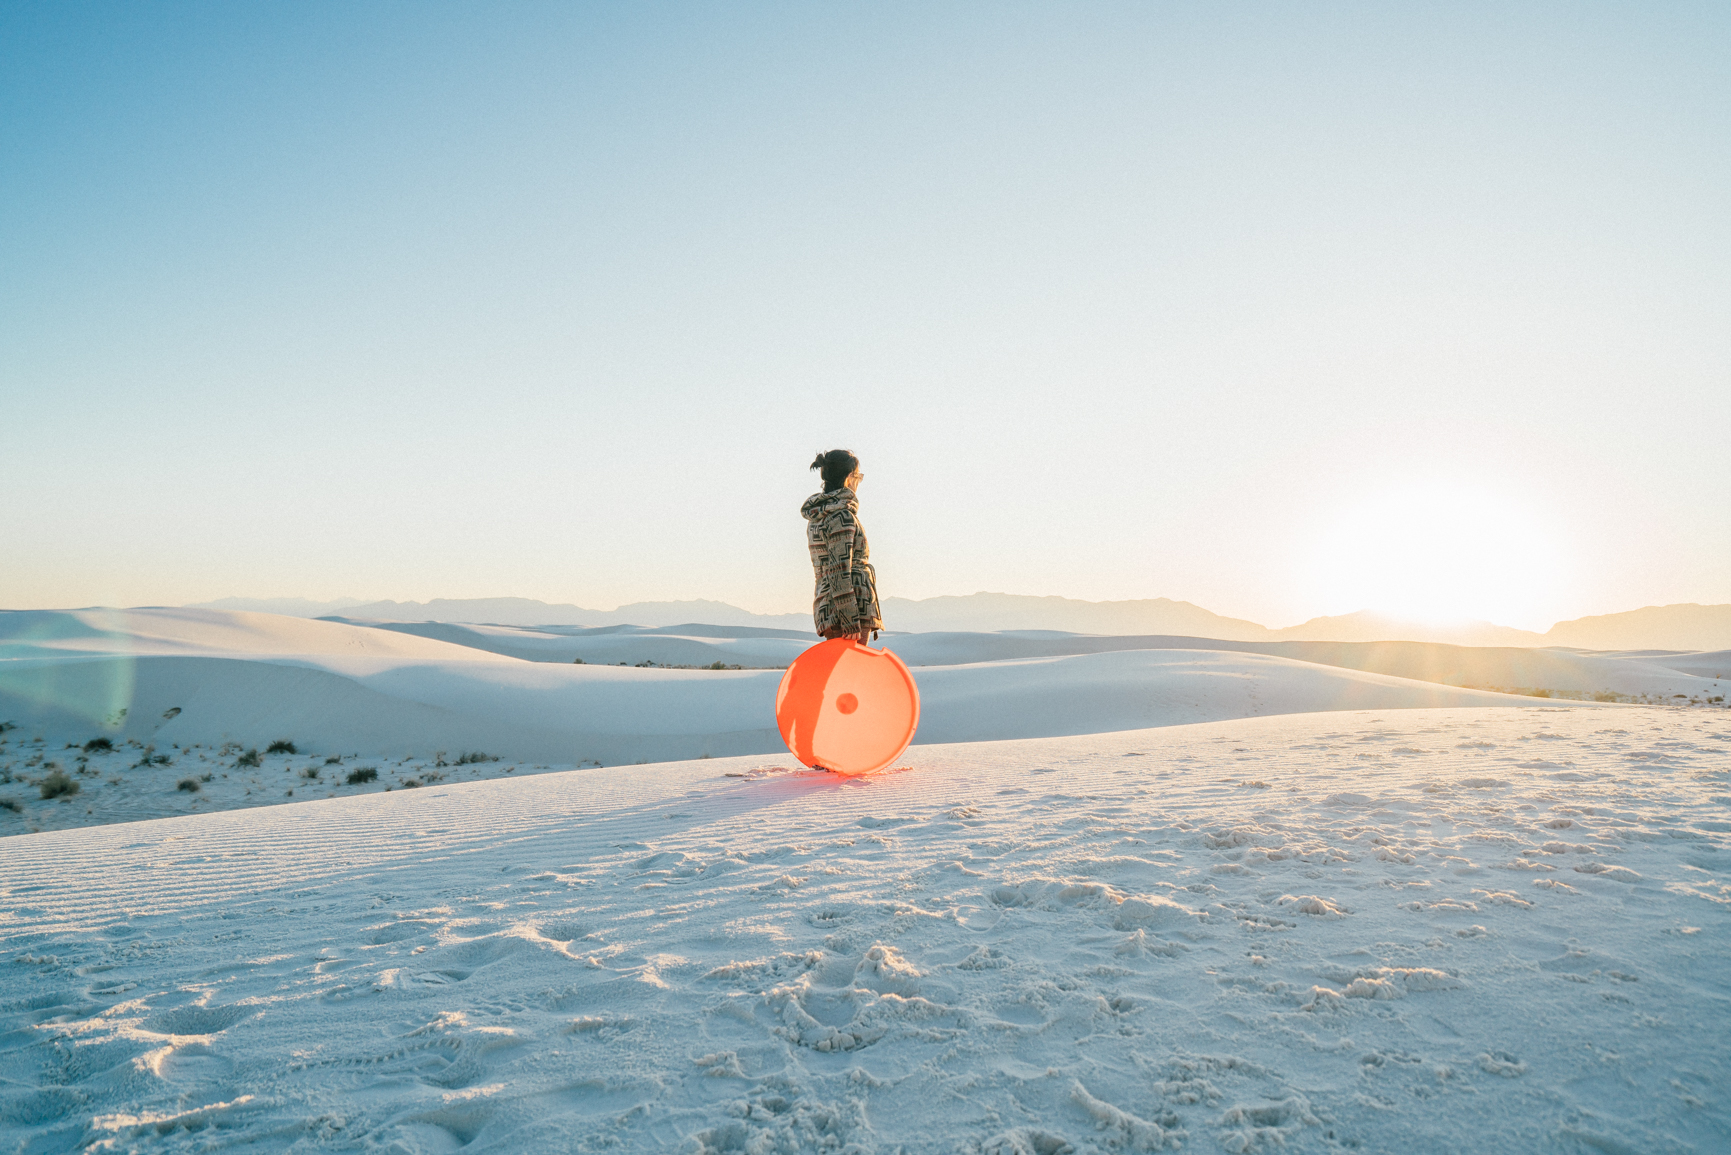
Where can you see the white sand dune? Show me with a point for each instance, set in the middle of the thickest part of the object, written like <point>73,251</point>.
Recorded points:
<point>1640,674</point>
<point>1487,930</point>
<point>1714,665</point>
<point>1631,674</point>
<point>169,631</point>
<point>689,645</point>
<point>186,678</point>
<point>185,691</point>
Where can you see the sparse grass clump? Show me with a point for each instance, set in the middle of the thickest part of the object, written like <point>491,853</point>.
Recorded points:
<point>281,746</point>
<point>98,746</point>
<point>334,760</point>
<point>11,804</point>
<point>363,774</point>
<point>250,758</point>
<point>190,785</point>
<point>476,756</point>
<point>311,772</point>
<point>58,784</point>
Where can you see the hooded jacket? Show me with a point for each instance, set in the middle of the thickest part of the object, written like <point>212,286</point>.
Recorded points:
<point>846,599</point>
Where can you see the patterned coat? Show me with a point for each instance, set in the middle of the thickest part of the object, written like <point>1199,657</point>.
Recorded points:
<point>846,600</point>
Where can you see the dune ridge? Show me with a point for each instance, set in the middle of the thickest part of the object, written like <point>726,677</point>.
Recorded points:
<point>1677,627</point>
<point>210,677</point>
<point>187,692</point>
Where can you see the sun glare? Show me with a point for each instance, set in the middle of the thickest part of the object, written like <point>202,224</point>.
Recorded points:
<point>1438,554</point>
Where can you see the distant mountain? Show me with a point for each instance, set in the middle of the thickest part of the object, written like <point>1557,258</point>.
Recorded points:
<point>287,607</point>
<point>1367,626</point>
<point>978,612</point>
<point>710,613</point>
<point>991,611</point>
<point>529,612</point>
<point>1687,626</point>
<point>499,611</point>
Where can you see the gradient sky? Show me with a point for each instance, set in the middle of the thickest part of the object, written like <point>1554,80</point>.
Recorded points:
<point>1281,309</point>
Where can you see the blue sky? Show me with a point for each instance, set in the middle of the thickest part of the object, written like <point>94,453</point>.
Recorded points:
<point>1281,309</point>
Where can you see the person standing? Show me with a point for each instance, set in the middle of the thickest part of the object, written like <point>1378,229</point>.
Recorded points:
<point>846,601</point>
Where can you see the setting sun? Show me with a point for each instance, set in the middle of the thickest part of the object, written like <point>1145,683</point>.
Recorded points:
<point>1438,553</point>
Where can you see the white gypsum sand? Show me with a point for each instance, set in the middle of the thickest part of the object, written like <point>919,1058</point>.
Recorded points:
<point>187,696</point>
<point>1488,930</point>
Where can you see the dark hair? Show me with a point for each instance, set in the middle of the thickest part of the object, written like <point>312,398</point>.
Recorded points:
<point>837,466</point>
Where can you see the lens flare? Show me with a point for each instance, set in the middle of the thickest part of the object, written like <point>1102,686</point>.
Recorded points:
<point>38,685</point>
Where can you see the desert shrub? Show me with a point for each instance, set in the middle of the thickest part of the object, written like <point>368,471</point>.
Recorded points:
<point>363,774</point>
<point>1606,696</point>
<point>475,756</point>
<point>1538,693</point>
<point>12,805</point>
<point>250,758</point>
<point>5,726</point>
<point>98,746</point>
<point>411,783</point>
<point>190,785</point>
<point>576,661</point>
<point>57,783</point>
<point>281,746</point>
<point>311,772</point>
<point>334,760</point>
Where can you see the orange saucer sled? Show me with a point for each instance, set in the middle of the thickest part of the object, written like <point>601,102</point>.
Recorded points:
<point>847,708</point>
